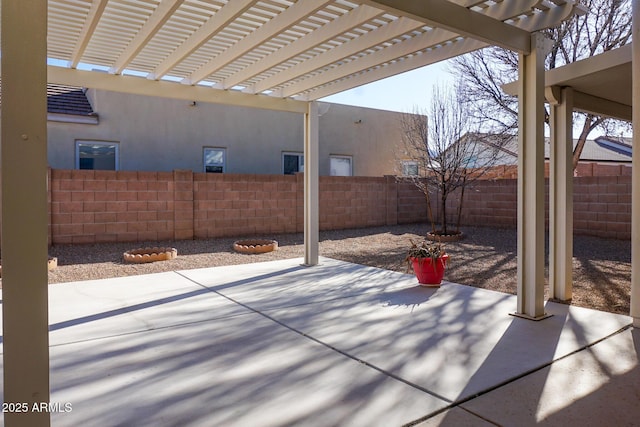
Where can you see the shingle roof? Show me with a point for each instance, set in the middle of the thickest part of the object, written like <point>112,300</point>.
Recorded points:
<point>62,99</point>
<point>72,100</point>
<point>593,151</point>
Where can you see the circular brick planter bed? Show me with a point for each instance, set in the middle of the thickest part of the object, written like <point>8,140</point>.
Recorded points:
<point>142,255</point>
<point>434,237</point>
<point>255,246</point>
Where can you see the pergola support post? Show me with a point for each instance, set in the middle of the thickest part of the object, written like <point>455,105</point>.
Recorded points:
<point>311,185</point>
<point>561,194</point>
<point>635,172</point>
<point>530,300</point>
<point>24,211</point>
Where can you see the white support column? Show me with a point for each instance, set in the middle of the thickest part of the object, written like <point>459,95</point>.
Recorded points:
<point>24,209</point>
<point>635,173</point>
<point>561,194</point>
<point>531,181</point>
<point>311,185</point>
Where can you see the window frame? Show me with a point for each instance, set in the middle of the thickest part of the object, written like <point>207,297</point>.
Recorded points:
<point>341,156</point>
<point>115,144</point>
<point>204,158</point>
<point>410,163</point>
<point>300,157</point>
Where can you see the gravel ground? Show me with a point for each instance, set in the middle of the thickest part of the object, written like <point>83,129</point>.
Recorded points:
<point>486,258</point>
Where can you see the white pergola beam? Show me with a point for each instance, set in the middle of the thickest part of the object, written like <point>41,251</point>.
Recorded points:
<point>158,18</point>
<point>438,53</point>
<point>404,48</point>
<point>601,107</point>
<point>289,17</point>
<point>460,20</point>
<point>585,102</point>
<point>25,323</point>
<point>373,38</point>
<point>93,18</point>
<point>166,89</point>
<point>592,65</point>
<point>635,173</point>
<point>227,14</point>
<point>340,25</point>
<point>561,194</point>
<point>456,48</point>
<point>531,227</point>
<point>311,185</point>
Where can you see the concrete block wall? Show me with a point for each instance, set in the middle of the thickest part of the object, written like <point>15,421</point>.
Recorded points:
<point>599,169</point>
<point>108,206</point>
<point>412,205</point>
<point>490,203</point>
<point>351,203</point>
<point>602,206</point>
<point>243,204</point>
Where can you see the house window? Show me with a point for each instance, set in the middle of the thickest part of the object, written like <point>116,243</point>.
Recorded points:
<point>97,155</point>
<point>292,163</point>
<point>215,160</point>
<point>409,168</point>
<point>340,166</point>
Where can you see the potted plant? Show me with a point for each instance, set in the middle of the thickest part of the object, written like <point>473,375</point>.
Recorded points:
<point>429,261</point>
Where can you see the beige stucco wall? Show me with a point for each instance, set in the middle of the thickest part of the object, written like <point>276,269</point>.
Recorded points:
<point>161,134</point>
<point>370,136</point>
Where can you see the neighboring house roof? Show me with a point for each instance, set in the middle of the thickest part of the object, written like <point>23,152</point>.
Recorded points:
<point>62,99</point>
<point>620,145</point>
<point>69,104</point>
<point>602,149</point>
<point>500,150</point>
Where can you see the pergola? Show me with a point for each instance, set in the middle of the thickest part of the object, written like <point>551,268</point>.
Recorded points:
<point>600,85</point>
<point>274,54</point>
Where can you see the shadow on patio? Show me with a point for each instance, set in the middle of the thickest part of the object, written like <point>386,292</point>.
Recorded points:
<point>281,344</point>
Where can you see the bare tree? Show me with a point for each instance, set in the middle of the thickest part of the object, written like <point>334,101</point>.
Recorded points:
<point>606,26</point>
<point>446,152</point>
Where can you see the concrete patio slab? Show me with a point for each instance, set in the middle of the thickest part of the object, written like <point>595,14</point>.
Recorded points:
<point>110,307</point>
<point>295,284</point>
<point>599,386</point>
<point>454,341</point>
<point>456,417</point>
<point>278,343</point>
<point>237,371</point>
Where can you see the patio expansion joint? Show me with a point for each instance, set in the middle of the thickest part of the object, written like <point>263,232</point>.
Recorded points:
<point>460,402</point>
<point>327,345</point>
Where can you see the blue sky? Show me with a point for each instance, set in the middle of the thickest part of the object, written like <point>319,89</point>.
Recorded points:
<point>398,93</point>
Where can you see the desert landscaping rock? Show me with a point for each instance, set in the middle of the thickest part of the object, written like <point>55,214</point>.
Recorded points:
<point>486,258</point>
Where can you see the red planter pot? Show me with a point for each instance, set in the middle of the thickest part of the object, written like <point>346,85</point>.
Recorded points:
<point>428,272</point>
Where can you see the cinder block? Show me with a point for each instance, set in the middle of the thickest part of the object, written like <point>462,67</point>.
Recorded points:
<point>106,217</point>
<point>116,185</point>
<point>126,196</point>
<point>136,186</point>
<point>82,196</point>
<point>94,206</point>
<point>95,185</point>
<point>105,196</point>
<point>82,217</point>
<point>116,228</point>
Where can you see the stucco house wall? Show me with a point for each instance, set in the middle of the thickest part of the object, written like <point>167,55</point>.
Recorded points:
<point>161,134</point>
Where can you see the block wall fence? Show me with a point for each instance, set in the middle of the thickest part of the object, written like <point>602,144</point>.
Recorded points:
<point>123,206</point>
